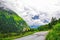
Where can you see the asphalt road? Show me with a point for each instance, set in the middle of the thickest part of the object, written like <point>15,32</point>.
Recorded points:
<point>35,36</point>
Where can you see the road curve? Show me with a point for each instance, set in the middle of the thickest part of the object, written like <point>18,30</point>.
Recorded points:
<point>35,36</point>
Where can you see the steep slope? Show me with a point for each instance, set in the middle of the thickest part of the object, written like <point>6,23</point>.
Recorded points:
<point>10,22</point>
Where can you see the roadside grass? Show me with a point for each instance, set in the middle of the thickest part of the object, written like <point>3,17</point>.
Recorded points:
<point>15,36</point>
<point>12,37</point>
<point>6,39</point>
<point>54,34</point>
<point>26,33</point>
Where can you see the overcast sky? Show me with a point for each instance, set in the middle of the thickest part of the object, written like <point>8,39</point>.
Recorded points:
<point>50,7</point>
<point>42,5</point>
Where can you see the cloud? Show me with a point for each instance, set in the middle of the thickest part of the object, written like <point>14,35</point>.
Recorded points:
<point>27,9</point>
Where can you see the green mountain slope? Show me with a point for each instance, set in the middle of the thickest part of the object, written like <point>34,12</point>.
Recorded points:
<point>10,22</point>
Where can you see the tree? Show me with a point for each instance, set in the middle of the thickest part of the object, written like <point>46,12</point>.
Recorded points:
<point>53,22</point>
<point>59,20</point>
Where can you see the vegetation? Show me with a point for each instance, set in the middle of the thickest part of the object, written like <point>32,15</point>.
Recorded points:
<point>54,29</point>
<point>53,22</point>
<point>54,33</point>
<point>43,28</point>
<point>11,24</point>
<point>48,26</point>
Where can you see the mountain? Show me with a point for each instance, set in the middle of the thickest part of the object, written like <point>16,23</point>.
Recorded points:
<point>10,22</point>
<point>30,14</point>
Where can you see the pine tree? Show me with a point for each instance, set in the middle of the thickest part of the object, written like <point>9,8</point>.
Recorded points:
<point>53,22</point>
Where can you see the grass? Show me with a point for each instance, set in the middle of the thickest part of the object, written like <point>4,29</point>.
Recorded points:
<point>17,36</point>
<point>6,39</point>
<point>14,36</point>
<point>22,35</point>
<point>54,34</point>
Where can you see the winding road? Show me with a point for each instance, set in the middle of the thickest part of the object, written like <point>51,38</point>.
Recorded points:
<point>35,36</point>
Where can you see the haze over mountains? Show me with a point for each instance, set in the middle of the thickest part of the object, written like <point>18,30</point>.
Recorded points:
<point>33,13</point>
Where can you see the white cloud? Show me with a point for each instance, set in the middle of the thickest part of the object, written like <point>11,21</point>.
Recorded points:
<point>29,8</point>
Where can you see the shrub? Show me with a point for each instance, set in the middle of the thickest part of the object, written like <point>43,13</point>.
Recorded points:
<point>54,34</point>
<point>43,28</point>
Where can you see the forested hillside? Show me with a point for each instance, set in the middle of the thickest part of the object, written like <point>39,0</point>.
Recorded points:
<point>11,23</point>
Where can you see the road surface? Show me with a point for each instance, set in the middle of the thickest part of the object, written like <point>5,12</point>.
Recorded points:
<point>35,36</point>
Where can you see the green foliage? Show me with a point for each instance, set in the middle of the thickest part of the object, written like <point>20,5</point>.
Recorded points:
<point>48,26</point>
<point>58,20</point>
<point>54,34</point>
<point>34,30</point>
<point>11,23</point>
<point>54,27</point>
<point>5,39</point>
<point>43,28</point>
<point>53,22</point>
